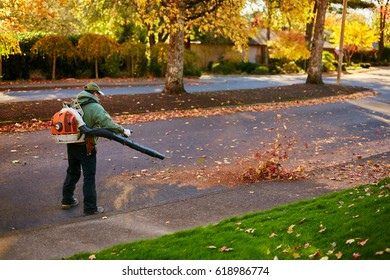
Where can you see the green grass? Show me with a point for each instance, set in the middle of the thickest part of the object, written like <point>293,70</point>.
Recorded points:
<point>334,226</point>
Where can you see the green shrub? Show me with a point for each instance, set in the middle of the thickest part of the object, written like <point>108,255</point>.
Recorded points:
<point>328,61</point>
<point>248,67</point>
<point>158,60</point>
<point>190,68</point>
<point>291,67</point>
<point>111,67</point>
<point>261,70</point>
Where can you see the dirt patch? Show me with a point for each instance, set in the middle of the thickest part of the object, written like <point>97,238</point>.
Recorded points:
<point>12,112</point>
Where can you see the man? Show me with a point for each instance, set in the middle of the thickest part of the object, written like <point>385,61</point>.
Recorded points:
<point>82,156</point>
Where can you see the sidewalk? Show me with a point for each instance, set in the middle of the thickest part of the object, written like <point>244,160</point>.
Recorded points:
<point>90,234</point>
<point>79,83</point>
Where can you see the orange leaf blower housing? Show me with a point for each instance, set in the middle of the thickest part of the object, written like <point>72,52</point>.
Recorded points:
<point>64,126</point>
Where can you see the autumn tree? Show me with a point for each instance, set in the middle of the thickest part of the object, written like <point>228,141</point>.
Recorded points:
<point>358,36</point>
<point>9,45</point>
<point>133,54</point>
<point>383,7</point>
<point>314,72</point>
<point>289,46</point>
<point>95,48</point>
<point>178,17</point>
<point>54,46</point>
<point>148,16</point>
<point>37,15</point>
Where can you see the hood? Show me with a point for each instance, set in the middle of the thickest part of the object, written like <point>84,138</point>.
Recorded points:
<point>84,95</point>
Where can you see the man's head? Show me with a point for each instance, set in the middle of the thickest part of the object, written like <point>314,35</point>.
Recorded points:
<point>92,88</point>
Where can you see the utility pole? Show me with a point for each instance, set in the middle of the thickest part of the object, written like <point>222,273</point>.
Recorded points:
<point>341,47</point>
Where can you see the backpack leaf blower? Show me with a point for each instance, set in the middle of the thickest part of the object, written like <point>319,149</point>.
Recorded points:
<point>67,126</point>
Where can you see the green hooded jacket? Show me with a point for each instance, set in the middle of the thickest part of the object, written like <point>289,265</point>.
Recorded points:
<point>95,116</point>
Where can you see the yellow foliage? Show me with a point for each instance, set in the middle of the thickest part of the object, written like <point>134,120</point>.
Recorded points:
<point>289,45</point>
<point>8,44</point>
<point>54,46</point>
<point>96,46</point>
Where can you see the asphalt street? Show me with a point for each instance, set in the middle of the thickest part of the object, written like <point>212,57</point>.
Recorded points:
<point>32,225</point>
<point>377,79</point>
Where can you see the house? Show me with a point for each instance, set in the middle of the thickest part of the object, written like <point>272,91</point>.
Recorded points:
<point>258,46</point>
<point>257,49</point>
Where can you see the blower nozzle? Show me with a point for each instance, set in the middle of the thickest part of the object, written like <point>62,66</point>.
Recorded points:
<point>105,133</point>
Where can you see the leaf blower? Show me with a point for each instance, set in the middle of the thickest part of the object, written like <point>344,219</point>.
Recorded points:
<point>68,126</point>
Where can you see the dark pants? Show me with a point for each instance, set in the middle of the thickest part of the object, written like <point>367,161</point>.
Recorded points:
<point>77,161</point>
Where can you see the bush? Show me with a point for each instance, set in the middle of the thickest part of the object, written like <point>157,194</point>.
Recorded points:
<point>111,67</point>
<point>248,67</point>
<point>261,70</point>
<point>226,67</point>
<point>328,62</point>
<point>190,68</point>
<point>158,60</point>
<point>291,67</point>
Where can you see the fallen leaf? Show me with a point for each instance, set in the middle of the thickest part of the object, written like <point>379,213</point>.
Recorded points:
<point>272,235</point>
<point>356,256</point>
<point>225,249</point>
<point>350,241</point>
<point>268,251</point>
<point>322,230</point>
<point>324,258</point>
<point>333,244</point>
<point>316,254</point>
<point>278,247</point>
<point>379,253</point>
<point>250,230</point>
<point>387,250</point>
<point>212,247</point>
<point>363,243</point>
<point>307,245</point>
<point>290,229</point>
<point>92,257</point>
<point>296,255</point>
<point>339,254</point>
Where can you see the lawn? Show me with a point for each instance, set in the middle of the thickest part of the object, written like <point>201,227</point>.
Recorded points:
<point>346,225</point>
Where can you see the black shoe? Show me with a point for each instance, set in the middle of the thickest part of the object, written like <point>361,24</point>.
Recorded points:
<point>66,206</point>
<point>99,210</point>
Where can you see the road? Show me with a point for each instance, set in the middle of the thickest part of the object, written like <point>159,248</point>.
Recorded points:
<point>33,166</point>
<point>378,79</point>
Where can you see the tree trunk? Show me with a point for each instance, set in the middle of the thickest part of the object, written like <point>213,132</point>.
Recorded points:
<point>53,71</point>
<point>382,26</point>
<point>310,25</point>
<point>96,69</point>
<point>314,72</point>
<point>174,83</point>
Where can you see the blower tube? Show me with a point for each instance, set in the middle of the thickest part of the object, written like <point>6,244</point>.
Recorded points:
<point>105,133</point>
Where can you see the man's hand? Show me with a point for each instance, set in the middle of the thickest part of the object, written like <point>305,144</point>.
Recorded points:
<point>127,132</point>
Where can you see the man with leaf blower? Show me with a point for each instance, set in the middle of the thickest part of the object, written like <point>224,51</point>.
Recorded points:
<point>82,156</point>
